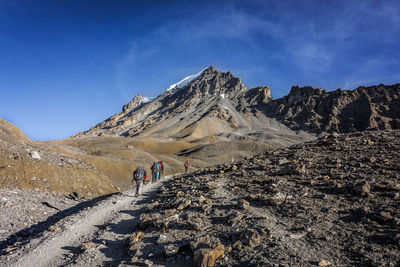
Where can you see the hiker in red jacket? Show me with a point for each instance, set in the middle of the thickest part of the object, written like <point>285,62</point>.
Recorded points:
<point>186,166</point>
<point>161,164</point>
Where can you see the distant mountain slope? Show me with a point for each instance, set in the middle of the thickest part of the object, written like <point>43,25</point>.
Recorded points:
<point>213,103</point>
<point>11,133</point>
<point>209,105</point>
<point>314,110</point>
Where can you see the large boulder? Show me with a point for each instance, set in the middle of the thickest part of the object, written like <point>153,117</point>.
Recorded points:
<point>207,257</point>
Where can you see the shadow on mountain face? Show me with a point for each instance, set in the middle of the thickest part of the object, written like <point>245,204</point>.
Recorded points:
<point>34,231</point>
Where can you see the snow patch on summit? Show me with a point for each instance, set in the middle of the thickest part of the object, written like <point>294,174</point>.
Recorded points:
<point>184,82</point>
<point>146,100</point>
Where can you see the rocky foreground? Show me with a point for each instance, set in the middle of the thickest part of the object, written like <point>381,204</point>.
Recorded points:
<point>334,201</point>
<point>330,202</point>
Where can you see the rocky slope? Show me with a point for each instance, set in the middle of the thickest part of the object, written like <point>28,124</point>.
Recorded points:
<point>330,202</point>
<point>87,167</point>
<point>333,202</point>
<point>36,165</point>
<point>95,166</point>
<point>11,133</point>
<point>20,219</point>
<point>207,106</point>
<point>314,110</point>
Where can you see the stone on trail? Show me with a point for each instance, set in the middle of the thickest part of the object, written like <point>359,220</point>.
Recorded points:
<point>283,161</point>
<point>151,206</point>
<point>163,223</point>
<point>170,250</point>
<point>243,204</point>
<point>9,249</point>
<point>207,257</point>
<point>323,263</point>
<point>277,199</point>
<point>148,263</point>
<point>169,212</point>
<point>194,223</point>
<point>146,220</point>
<point>382,217</point>
<point>35,155</point>
<point>185,203</point>
<point>87,245</point>
<point>201,199</point>
<point>235,217</point>
<point>237,245</point>
<point>250,237</point>
<point>162,239</point>
<point>134,238</point>
<point>362,188</point>
<point>54,229</point>
<point>203,242</point>
<point>213,185</point>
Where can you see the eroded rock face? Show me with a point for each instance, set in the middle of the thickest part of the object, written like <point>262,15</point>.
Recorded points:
<point>315,110</point>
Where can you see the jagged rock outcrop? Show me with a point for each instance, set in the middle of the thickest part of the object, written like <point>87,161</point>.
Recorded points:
<point>136,102</point>
<point>315,110</point>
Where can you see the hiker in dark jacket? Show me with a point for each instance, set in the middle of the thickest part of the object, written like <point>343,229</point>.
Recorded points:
<point>139,176</point>
<point>153,172</point>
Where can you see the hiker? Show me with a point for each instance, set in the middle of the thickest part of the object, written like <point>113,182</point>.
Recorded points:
<point>186,166</point>
<point>158,168</point>
<point>153,172</point>
<point>139,176</point>
<point>161,168</point>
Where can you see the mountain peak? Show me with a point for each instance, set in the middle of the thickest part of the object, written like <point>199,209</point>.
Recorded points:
<point>203,74</point>
<point>136,102</point>
<point>210,69</point>
<point>298,93</point>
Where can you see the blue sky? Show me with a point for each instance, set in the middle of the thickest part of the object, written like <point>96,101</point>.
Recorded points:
<point>67,65</point>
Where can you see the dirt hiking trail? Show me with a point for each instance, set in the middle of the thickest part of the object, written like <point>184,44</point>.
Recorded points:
<point>111,217</point>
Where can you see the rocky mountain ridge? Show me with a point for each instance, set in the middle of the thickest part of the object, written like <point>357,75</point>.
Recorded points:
<point>217,103</point>
<point>343,111</point>
<point>207,106</point>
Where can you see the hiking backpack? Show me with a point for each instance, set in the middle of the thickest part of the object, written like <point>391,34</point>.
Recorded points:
<point>158,168</point>
<point>139,173</point>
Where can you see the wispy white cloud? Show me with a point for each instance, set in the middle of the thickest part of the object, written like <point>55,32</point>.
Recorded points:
<point>313,41</point>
